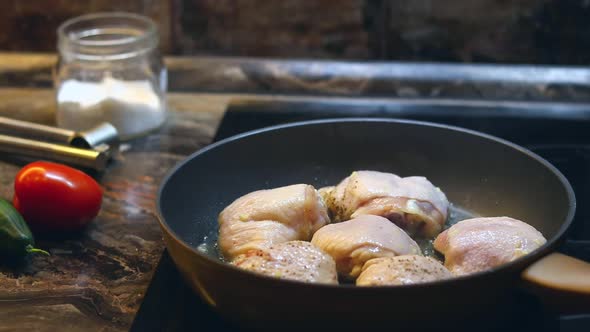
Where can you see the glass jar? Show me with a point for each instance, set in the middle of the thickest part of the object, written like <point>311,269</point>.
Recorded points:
<point>110,70</point>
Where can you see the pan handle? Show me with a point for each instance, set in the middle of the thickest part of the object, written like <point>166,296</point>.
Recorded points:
<point>561,282</point>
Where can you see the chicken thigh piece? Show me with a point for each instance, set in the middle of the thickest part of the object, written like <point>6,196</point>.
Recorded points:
<point>401,270</point>
<point>294,260</point>
<point>413,203</point>
<point>352,243</point>
<point>478,244</point>
<point>267,217</point>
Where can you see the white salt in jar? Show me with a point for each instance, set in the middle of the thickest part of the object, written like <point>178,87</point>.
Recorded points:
<point>109,69</point>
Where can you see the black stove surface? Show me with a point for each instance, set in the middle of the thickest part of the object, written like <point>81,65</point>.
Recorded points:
<point>558,132</point>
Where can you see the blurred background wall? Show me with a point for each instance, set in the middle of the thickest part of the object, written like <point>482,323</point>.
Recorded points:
<point>507,31</point>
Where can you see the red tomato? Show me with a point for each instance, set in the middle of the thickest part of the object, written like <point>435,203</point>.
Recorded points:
<point>53,196</point>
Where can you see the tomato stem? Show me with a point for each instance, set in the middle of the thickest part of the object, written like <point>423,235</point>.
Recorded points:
<point>31,249</point>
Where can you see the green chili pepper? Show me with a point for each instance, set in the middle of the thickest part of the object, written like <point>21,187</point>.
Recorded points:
<point>16,239</point>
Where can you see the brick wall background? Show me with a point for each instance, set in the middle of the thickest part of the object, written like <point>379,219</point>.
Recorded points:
<point>517,31</point>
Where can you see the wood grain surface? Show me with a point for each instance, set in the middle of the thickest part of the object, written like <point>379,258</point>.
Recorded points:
<point>96,280</point>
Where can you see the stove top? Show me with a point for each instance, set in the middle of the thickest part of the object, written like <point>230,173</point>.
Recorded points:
<point>556,131</point>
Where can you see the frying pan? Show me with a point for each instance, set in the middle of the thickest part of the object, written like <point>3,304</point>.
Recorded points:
<point>480,173</point>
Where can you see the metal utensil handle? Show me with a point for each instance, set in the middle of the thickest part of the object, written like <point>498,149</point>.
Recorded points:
<point>65,154</point>
<point>35,130</point>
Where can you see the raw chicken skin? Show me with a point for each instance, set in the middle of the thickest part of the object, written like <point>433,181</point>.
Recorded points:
<point>479,244</point>
<point>401,270</point>
<point>294,260</point>
<point>272,216</point>
<point>325,192</point>
<point>413,203</point>
<point>352,243</point>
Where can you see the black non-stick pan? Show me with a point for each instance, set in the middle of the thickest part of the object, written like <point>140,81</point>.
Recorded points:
<point>479,173</point>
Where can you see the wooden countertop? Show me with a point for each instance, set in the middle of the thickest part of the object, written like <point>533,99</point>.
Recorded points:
<point>96,281</point>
